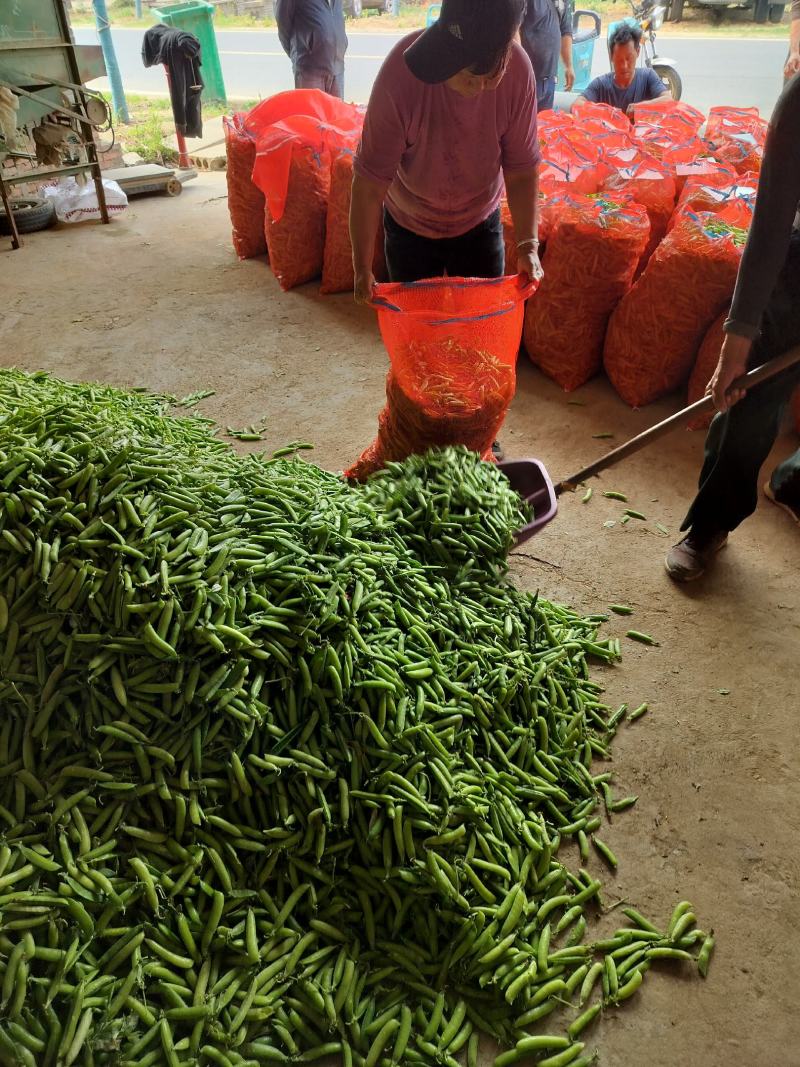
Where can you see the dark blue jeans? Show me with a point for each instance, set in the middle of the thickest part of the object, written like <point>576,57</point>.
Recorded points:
<point>739,441</point>
<point>328,82</point>
<point>480,253</point>
<point>545,93</point>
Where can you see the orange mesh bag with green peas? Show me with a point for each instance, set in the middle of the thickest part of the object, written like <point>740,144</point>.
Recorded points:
<point>704,366</point>
<point>594,251</point>
<point>453,345</point>
<point>655,333</point>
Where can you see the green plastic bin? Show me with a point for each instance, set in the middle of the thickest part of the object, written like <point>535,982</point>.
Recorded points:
<point>197,17</point>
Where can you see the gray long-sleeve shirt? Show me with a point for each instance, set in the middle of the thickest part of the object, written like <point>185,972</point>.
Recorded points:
<point>773,219</point>
<point>312,34</point>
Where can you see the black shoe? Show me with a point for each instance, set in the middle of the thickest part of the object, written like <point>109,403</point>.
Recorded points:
<point>691,557</point>
<point>497,451</point>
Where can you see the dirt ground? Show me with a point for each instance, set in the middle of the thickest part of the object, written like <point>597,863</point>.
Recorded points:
<point>158,299</point>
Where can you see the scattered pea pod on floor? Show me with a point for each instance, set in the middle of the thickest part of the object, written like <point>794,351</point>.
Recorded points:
<point>286,765</point>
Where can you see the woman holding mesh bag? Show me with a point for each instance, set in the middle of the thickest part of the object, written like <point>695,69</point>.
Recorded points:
<point>451,120</point>
<point>452,114</point>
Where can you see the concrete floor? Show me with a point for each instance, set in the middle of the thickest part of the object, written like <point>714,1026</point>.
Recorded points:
<point>158,299</point>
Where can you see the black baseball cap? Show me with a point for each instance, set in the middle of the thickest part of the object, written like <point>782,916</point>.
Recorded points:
<point>468,33</point>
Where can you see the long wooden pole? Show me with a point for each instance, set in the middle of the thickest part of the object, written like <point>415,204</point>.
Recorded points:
<point>680,418</point>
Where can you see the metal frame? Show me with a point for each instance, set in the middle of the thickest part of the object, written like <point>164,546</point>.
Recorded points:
<point>87,132</point>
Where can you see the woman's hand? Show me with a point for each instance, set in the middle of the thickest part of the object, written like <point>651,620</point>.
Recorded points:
<point>364,287</point>
<point>732,365</point>
<point>792,65</point>
<point>528,263</point>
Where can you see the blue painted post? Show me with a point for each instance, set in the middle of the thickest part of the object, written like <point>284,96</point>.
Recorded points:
<point>138,9</point>
<point>395,8</point>
<point>110,57</point>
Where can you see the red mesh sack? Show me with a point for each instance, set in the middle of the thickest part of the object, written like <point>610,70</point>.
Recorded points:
<point>452,347</point>
<point>600,115</point>
<point>738,197</point>
<point>679,118</point>
<point>650,184</point>
<point>337,267</point>
<point>245,200</point>
<point>296,239</point>
<point>655,333</point>
<point>737,135</point>
<point>292,169</point>
<point>705,168</point>
<point>707,359</point>
<point>593,251</point>
<point>566,169</point>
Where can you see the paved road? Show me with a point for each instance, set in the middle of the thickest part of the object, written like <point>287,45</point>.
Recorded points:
<point>715,71</point>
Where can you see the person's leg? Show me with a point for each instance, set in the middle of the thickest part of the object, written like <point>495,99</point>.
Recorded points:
<point>310,79</point>
<point>335,85</point>
<point>410,257</point>
<point>480,253</point>
<point>739,441</point>
<point>783,487</point>
<point>545,93</point>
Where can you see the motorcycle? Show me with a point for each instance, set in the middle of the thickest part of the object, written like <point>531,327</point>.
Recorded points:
<point>651,18</point>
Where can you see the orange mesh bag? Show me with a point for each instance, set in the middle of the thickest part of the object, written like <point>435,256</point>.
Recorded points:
<point>337,267</point>
<point>566,169</point>
<point>655,333</point>
<point>245,200</point>
<point>296,239</point>
<point>452,347</point>
<point>705,168</point>
<point>292,169</point>
<point>737,135</point>
<point>603,116</point>
<point>739,196</point>
<point>594,251</point>
<point>679,118</point>
<point>649,183</point>
<point>707,359</point>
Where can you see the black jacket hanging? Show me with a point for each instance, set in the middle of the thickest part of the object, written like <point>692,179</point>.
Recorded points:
<point>180,53</point>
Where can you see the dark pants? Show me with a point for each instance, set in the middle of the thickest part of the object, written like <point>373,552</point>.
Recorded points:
<point>480,253</point>
<point>739,441</point>
<point>332,84</point>
<point>545,93</point>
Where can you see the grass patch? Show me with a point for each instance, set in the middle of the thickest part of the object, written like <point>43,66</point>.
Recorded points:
<point>720,23</point>
<point>152,124</point>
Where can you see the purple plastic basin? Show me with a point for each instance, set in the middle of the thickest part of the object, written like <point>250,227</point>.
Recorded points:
<point>531,480</point>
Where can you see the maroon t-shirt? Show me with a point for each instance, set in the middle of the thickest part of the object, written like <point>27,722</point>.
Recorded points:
<point>443,155</point>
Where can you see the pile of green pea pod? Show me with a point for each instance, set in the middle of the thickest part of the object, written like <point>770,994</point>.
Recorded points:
<point>276,785</point>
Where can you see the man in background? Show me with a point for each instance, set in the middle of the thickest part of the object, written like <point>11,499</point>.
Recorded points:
<point>546,32</point>
<point>627,84</point>
<point>793,62</point>
<point>313,36</point>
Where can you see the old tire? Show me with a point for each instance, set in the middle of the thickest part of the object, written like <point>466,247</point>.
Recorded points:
<point>30,214</point>
<point>761,11</point>
<point>776,13</point>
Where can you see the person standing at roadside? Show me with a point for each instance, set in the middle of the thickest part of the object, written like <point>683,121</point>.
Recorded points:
<point>312,34</point>
<point>546,32</point>
<point>793,62</point>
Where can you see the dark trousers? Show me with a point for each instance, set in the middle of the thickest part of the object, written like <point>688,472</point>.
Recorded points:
<point>739,441</point>
<point>545,93</point>
<point>332,84</point>
<point>480,253</point>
